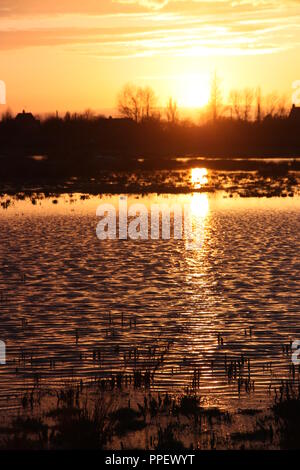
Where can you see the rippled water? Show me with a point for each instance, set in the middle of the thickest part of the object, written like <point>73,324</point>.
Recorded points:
<point>85,304</point>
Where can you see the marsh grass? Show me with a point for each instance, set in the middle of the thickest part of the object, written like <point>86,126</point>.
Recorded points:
<point>98,418</point>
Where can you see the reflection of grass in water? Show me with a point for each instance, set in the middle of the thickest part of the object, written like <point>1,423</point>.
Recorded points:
<point>126,420</point>
<point>104,420</point>
<point>71,428</point>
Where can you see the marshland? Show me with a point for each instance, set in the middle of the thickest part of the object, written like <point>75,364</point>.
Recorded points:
<point>149,226</point>
<point>165,348</point>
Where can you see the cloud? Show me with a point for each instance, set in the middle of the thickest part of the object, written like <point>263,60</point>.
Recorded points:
<point>143,28</point>
<point>96,7</point>
<point>152,4</point>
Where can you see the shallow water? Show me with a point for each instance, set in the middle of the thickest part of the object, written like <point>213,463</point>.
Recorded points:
<point>85,303</point>
<point>184,181</point>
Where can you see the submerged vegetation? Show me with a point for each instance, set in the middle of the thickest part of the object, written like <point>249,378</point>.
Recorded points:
<point>271,179</point>
<point>96,417</point>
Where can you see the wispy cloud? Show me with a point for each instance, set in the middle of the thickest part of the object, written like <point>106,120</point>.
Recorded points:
<point>152,4</point>
<point>139,28</point>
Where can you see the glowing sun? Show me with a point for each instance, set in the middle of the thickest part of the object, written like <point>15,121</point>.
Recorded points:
<point>194,91</point>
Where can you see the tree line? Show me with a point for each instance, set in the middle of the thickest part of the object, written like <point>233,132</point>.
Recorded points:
<point>248,125</point>
<point>247,104</point>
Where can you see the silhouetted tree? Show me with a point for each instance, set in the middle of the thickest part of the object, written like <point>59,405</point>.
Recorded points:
<point>89,115</point>
<point>172,111</point>
<point>235,103</point>
<point>270,104</point>
<point>148,100</point>
<point>248,96</point>
<point>258,104</point>
<point>282,107</point>
<point>136,103</point>
<point>215,102</point>
<point>7,116</point>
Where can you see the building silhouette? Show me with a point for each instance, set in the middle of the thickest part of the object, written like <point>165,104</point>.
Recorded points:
<point>295,113</point>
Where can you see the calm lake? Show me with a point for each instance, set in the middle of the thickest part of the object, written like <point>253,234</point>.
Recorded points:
<point>75,307</point>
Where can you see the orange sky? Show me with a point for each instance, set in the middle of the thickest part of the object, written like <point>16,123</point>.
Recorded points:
<point>74,54</point>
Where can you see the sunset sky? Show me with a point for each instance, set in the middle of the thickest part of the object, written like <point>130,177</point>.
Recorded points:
<point>73,54</point>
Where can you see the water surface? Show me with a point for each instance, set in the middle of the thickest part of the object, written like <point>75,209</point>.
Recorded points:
<point>74,306</point>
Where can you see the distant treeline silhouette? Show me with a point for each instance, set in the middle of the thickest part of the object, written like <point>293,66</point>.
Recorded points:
<point>84,143</point>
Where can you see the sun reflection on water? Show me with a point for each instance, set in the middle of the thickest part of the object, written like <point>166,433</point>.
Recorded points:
<point>199,177</point>
<point>199,205</point>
